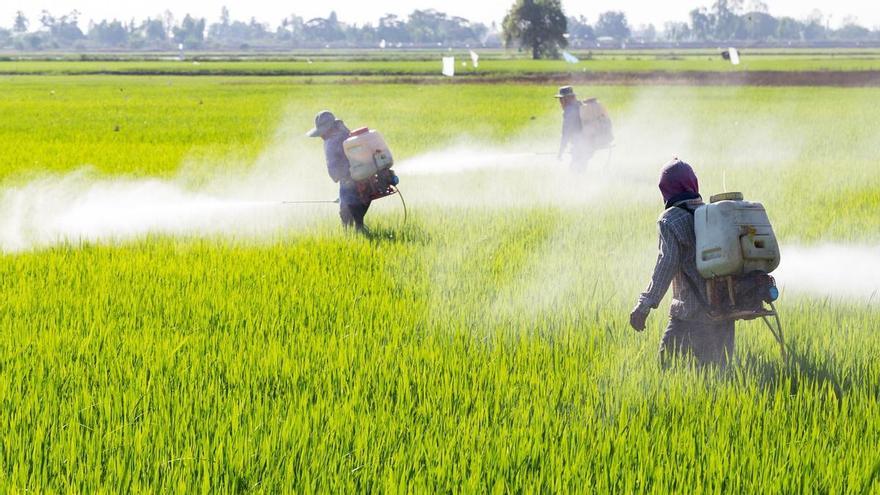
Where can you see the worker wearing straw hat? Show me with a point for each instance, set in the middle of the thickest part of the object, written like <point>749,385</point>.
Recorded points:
<point>333,131</point>
<point>572,130</point>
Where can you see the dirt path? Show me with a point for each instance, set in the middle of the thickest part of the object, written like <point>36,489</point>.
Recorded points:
<point>847,79</point>
<point>751,78</point>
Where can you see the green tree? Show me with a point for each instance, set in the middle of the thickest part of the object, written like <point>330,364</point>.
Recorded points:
<point>109,33</point>
<point>579,29</point>
<point>537,24</point>
<point>676,31</point>
<point>392,29</point>
<point>814,26</point>
<point>190,32</point>
<point>760,25</point>
<point>702,23</point>
<point>727,21</point>
<point>613,24</point>
<point>789,29</point>
<point>852,31</point>
<point>64,29</point>
<point>646,33</point>
<point>292,30</point>
<point>424,25</point>
<point>154,31</point>
<point>21,23</point>
<point>324,30</point>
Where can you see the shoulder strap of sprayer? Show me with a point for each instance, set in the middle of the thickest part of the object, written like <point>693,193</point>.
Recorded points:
<point>693,285</point>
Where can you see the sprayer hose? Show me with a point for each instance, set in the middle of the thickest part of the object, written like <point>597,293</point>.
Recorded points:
<point>403,202</point>
<point>777,332</point>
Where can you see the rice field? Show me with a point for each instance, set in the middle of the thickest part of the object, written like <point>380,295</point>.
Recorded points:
<point>492,62</point>
<point>482,346</point>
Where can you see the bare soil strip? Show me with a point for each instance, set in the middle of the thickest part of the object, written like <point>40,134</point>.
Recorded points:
<point>847,79</point>
<point>853,79</point>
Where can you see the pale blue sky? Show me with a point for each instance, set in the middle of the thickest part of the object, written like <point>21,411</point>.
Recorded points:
<point>639,11</point>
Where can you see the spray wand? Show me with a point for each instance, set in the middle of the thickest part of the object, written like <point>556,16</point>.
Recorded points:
<point>310,202</point>
<point>336,202</point>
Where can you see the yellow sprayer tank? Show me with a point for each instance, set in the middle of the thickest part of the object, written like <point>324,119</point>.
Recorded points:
<point>367,153</point>
<point>734,237</point>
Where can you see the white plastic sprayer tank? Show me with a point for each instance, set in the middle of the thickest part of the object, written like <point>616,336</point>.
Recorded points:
<point>367,153</point>
<point>734,237</point>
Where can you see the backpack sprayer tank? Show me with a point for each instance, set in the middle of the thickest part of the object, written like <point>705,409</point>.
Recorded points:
<point>597,130</point>
<point>370,164</point>
<point>736,252</point>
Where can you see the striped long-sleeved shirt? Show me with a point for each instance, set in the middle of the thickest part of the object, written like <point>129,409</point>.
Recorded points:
<point>677,260</point>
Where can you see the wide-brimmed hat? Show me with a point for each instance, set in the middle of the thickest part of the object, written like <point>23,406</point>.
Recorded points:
<point>565,91</point>
<point>323,122</point>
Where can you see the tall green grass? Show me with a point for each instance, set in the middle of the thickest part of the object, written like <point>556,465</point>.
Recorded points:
<point>480,348</point>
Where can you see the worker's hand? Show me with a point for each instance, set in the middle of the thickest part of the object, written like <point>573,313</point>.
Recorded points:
<point>637,319</point>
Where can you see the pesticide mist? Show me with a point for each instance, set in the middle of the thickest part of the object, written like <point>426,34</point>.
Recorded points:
<point>83,206</point>
<point>832,270</point>
<point>521,172</point>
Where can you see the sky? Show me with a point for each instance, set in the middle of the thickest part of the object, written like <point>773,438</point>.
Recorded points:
<point>639,12</point>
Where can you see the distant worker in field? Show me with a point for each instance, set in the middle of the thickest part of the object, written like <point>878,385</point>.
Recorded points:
<point>352,207</point>
<point>586,128</point>
<point>690,331</point>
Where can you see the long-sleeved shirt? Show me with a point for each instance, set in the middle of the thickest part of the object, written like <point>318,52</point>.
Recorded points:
<point>338,165</point>
<point>571,126</point>
<point>677,260</point>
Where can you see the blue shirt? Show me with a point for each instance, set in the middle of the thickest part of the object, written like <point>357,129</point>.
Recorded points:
<point>337,162</point>
<point>571,125</point>
<point>338,165</point>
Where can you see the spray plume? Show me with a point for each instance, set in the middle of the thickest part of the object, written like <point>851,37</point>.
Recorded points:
<point>82,206</point>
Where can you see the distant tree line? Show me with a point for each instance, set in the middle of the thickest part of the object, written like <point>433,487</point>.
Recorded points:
<point>539,26</point>
<point>723,21</point>
<point>422,27</point>
<point>730,20</point>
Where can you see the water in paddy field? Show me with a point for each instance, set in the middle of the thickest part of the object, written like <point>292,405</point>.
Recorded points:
<point>523,173</point>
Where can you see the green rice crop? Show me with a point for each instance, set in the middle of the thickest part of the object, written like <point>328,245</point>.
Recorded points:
<point>492,63</point>
<point>479,348</point>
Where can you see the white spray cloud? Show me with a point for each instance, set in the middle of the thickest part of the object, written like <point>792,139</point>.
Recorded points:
<point>655,127</point>
<point>831,270</point>
<point>78,208</point>
<point>83,206</point>
<point>462,158</point>
<point>523,172</point>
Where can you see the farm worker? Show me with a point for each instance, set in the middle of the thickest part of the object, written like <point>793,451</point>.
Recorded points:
<point>352,208</point>
<point>690,330</point>
<point>572,130</point>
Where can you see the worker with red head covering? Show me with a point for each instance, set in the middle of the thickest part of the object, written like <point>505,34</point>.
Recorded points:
<point>691,331</point>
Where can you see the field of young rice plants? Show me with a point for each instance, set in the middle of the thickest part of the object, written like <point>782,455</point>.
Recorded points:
<point>427,62</point>
<point>481,346</point>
